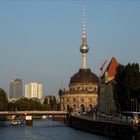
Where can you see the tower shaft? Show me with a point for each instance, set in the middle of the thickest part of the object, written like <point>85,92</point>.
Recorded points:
<point>84,61</point>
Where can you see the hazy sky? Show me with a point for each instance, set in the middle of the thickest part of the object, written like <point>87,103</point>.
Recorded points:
<point>40,39</point>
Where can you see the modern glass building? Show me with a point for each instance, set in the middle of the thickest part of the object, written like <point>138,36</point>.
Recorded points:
<point>16,89</point>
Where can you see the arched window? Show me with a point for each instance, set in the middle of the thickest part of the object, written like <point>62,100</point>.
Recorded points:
<point>82,108</point>
<point>82,99</point>
<point>90,107</point>
<point>68,107</point>
<point>74,107</point>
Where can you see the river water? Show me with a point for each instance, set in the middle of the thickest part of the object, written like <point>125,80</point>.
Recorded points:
<point>46,130</point>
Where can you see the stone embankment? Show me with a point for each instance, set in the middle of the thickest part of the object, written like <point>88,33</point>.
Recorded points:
<point>113,128</point>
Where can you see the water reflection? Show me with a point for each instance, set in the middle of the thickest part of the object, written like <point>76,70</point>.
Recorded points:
<point>46,130</point>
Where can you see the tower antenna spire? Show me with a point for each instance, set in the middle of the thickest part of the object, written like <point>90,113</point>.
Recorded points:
<point>84,47</point>
<point>84,19</point>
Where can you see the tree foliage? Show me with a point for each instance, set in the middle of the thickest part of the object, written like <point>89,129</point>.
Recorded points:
<point>3,100</point>
<point>51,103</point>
<point>46,101</point>
<point>24,104</point>
<point>127,85</point>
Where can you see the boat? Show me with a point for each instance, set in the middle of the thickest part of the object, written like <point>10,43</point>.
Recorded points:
<point>18,121</point>
<point>15,122</point>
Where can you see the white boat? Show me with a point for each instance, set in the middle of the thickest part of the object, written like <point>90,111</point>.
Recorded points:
<point>17,122</point>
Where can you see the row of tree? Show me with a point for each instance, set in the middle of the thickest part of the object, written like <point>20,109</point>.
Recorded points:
<point>127,87</point>
<point>24,104</point>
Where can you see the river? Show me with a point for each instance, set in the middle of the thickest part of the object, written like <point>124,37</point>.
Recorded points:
<point>46,130</point>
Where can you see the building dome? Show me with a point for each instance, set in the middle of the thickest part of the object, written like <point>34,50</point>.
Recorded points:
<point>84,76</point>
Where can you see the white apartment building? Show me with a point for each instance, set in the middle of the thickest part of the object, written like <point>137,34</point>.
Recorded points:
<point>33,90</point>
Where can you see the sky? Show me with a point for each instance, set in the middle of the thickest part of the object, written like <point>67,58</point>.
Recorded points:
<point>40,39</point>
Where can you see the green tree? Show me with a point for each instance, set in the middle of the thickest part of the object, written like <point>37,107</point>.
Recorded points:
<point>24,104</point>
<point>45,101</point>
<point>3,100</point>
<point>11,106</point>
<point>53,103</point>
<point>127,84</point>
<point>50,103</point>
<point>47,107</point>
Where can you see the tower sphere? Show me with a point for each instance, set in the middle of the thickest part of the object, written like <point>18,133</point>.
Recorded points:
<point>84,48</point>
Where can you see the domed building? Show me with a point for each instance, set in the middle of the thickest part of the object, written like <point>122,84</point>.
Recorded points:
<point>83,87</point>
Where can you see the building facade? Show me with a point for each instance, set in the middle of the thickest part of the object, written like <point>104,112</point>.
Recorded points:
<point>16,89</point>
<point>33,90</point>
<point>107,103</point>
<point>82,94</point>
<point>83,87</point>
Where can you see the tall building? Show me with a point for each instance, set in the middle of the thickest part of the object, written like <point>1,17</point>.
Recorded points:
<point>83,87</point>
<point>106,96</point>
<point>33,90</point>
<point>16,89</point>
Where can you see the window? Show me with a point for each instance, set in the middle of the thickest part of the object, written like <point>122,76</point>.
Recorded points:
<point>90,99</point>
<point>78,88</point>
<point>82,99</point>
<point>74,99</point>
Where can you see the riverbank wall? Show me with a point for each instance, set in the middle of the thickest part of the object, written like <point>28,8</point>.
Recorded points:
<point>112,129</point>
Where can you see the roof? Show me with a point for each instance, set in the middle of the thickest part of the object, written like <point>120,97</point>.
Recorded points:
<point>112,67</point>
<point>84,76</point>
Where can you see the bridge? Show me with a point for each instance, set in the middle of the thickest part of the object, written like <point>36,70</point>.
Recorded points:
<point>28,115</point>
<point>41,113</point>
